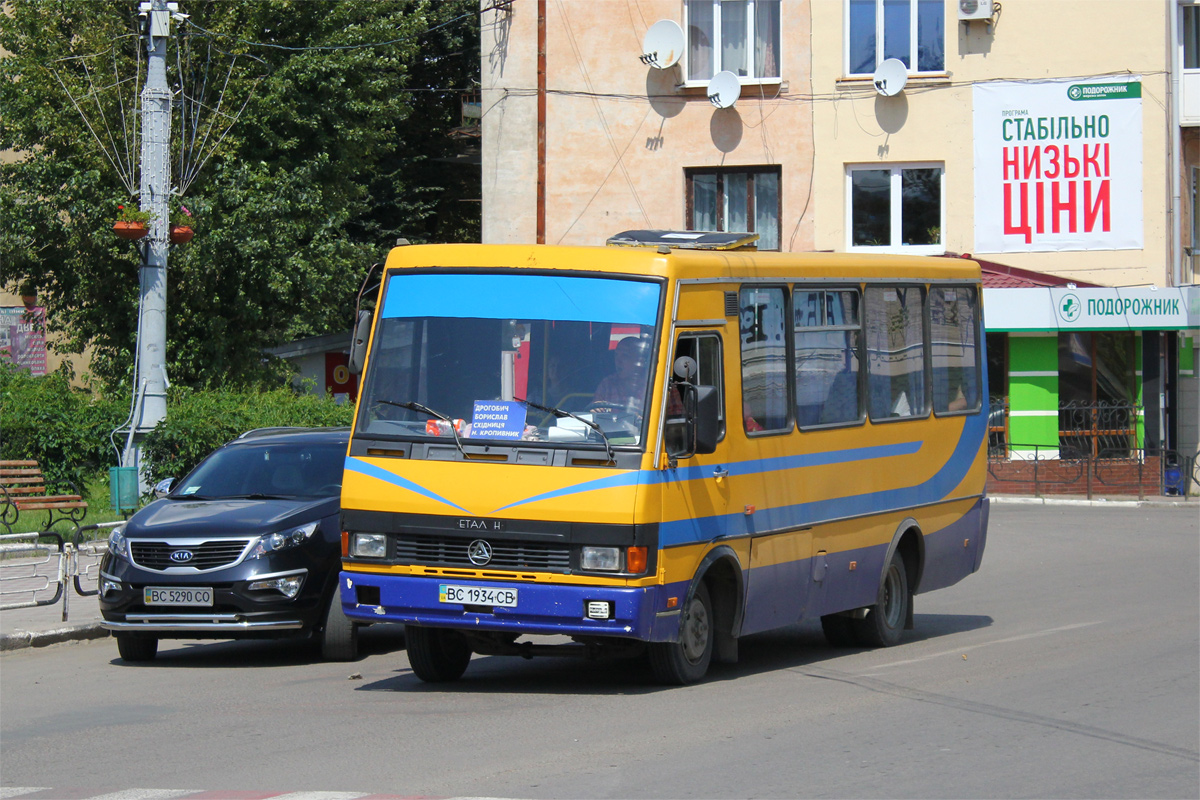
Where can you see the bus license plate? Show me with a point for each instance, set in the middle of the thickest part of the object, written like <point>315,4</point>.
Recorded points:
<point>174,596</point>
<point>477,595</point>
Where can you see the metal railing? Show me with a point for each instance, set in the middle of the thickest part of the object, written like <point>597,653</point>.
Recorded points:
<point>44,568</point>
<point>1099,430</point>
<point>1125,470</point>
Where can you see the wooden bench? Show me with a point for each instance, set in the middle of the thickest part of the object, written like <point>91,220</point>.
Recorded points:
<point>24,489</point>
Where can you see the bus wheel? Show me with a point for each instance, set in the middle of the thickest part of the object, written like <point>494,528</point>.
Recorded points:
<point>686,660</point>
<point>884,621</point>
<point>839,630</point>
<point>436,655</point>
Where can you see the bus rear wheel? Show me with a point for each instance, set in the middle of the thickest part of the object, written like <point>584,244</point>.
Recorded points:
<point>884,622</point>
<point>436,655</point>
<point>686,660</point>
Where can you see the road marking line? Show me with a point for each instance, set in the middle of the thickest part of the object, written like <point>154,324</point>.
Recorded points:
<point>969,648</point>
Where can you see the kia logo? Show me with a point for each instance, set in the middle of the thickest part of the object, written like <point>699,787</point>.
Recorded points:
<point>480,553</point>
<point>182,556</point>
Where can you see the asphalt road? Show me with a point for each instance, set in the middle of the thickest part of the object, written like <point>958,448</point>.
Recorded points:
<point>1069,666</point>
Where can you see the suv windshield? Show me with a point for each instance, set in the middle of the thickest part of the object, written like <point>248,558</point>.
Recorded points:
<point>472,348</point>
<point>268,469</point>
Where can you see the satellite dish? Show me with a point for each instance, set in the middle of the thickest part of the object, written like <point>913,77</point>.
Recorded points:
<point>663,46</point>
<point>890,78</point>
<point>724,89</point>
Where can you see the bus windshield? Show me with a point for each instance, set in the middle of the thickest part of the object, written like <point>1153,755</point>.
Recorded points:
<point>509,356</point>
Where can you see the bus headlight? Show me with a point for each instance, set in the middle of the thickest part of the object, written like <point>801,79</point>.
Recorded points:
<point>368,545</point>
<point>602,559</point>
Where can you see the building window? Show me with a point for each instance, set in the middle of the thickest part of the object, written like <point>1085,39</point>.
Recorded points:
<point>762,314</point>
<point>739,36</point>
<point>828,361</point>
<point>913,31</point>
<point>1191,37</point>
<point>897,207</point>
<point>735,200</point>
<point>896,352</point>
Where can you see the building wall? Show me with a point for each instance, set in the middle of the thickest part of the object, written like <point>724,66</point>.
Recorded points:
<point>619,133</point>
<point>932,119</point>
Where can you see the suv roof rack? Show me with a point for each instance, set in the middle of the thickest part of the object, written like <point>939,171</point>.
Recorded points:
<point>666,241</point>
<point>253,434</point>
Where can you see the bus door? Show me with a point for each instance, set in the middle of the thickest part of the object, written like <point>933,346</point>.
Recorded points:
<point>696,499</point>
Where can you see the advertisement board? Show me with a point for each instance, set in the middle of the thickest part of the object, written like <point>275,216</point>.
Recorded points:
<point>1058,165</point>
<point>23,337</point>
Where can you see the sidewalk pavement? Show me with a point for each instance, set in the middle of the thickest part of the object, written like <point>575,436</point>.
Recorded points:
<point>44,625</point>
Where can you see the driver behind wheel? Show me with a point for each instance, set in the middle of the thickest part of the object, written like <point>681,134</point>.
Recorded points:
<point>625,389</point>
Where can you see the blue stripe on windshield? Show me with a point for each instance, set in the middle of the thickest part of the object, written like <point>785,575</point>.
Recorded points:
<point>490,296</point>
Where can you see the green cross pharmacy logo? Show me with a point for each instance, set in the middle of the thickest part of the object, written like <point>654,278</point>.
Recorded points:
<point>1069,308</point>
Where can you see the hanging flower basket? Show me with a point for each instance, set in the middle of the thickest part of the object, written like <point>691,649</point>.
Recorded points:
<point>130,230</point>
<point>181,234</point>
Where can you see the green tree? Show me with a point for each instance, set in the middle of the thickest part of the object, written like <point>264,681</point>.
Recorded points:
<point>306,139</point>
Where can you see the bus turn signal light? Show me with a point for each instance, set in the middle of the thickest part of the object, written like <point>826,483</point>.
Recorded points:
<point>635,559</point>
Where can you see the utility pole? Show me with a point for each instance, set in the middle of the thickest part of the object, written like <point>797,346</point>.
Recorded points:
<point>150,377</point>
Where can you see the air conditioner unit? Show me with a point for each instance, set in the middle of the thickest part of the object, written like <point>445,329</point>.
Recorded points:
<point>974,9</point>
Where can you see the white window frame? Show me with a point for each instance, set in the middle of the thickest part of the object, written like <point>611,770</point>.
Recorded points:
<point>895,205</point>
<point>879,31</point>
<point>751,15</point>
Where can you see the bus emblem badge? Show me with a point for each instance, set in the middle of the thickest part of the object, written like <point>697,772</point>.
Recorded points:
<point>480,553</point>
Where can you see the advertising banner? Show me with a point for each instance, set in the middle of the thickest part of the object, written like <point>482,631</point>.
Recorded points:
<point>23,337</point>
<point>1058,165</point>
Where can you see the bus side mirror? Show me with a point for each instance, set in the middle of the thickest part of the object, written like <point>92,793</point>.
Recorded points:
<point>707,420</point>
<point>358,347</point>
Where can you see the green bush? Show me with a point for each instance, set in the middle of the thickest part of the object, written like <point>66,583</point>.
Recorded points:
<point>65,429</point>
<point>200,421</point>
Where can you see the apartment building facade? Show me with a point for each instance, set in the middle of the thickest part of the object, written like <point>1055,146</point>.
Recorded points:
<point>1055,140</point>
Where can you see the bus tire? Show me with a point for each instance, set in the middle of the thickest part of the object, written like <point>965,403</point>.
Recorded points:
<point>884,622</point>
<point>437,655</point>
<point>686,660</point>
<point>134,647</point>
<point>339,636</point>
<point>839,630</point>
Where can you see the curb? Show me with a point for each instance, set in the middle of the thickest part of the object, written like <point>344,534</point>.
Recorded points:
<point>19,640</point>
<point>1098,503</point>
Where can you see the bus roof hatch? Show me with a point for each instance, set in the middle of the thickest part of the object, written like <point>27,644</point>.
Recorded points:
<point>685,240</point>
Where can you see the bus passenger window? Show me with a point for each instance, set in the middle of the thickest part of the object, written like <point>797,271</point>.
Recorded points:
<point>896,351</point>
<point>954,349</point>
<point>764,358</point>
<point>826,338</point>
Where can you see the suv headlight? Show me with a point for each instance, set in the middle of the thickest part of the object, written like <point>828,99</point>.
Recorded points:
<point>282,540</point>
<point>117,545</point>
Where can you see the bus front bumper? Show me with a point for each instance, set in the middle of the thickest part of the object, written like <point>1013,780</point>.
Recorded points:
<point>638,613</point>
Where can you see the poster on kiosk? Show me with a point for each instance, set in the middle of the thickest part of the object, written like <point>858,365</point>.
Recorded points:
<point>1058,165</point>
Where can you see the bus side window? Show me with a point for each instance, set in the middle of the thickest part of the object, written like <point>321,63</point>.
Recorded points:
<point>896,351</point>
<point>953,312</point>
<point>705,350</point>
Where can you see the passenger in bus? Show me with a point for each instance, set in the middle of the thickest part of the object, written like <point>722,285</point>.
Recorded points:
<point>626,388</point>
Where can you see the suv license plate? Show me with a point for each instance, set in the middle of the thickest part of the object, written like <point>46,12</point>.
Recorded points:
<point>477,595</point>
<point>174,596</point>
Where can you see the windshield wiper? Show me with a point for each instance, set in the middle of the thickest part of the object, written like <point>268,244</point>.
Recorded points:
<point>411,406</point>
<point>560,413</point>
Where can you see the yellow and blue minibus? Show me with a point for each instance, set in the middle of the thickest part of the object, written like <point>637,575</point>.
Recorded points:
<point>660,447</point>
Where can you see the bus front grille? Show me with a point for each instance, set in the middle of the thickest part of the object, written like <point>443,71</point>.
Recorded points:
<point>437,550</point>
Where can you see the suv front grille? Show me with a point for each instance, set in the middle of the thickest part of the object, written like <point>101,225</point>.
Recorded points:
<point>205,556</point>
<point>438,550</point>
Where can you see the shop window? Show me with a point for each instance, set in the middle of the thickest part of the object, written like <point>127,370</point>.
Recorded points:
<point>897,208</point>
<point>739,36</point>
<point>954,348</point>
<point>895,352</point>
<point>828,360</point>
<point>735,200</point>
<point>913,31</point>
<point>762,313</point>
<point>1097,394</point>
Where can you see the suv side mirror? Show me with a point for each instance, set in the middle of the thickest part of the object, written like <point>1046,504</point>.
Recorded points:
<point>358,347</point>
<point>163,487</point>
